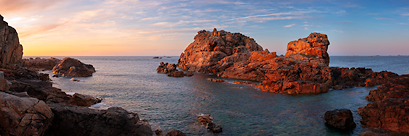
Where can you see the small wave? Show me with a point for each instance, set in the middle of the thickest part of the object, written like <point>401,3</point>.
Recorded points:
<point>99,105</point>
<point>70,93</point>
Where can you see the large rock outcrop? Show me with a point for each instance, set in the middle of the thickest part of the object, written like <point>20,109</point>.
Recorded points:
<point>23,116</point>
<point>73,68</point>
<point>304,68</point>
<point>214,51</point>
<point>315,46</point>
<point>81,121</point>
<point>390,107</point>
<point>11,51</point>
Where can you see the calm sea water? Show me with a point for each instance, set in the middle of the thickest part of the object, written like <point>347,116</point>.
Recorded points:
<point>174,103</point>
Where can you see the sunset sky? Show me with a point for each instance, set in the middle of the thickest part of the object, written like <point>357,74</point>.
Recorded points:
<point>167,27</point>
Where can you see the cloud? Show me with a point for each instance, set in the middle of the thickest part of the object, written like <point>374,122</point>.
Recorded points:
<point>290,25</point>
<point>405,14</point>
<point>12,6</point>
<point>381,18</point>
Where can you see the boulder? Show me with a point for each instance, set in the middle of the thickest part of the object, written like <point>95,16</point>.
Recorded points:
<point>23,116</point>
<point>340,119</point>
<point>175,133</point>
<point>10,47</point>
<point>73,68</point>
<point>390,107</point>
<point>176,74</point>
<point>82,121</point>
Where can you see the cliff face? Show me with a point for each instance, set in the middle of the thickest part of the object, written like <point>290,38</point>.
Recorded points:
<point>11,51</point>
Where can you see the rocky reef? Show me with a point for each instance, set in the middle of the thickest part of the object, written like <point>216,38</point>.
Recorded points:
<point>389,109</point>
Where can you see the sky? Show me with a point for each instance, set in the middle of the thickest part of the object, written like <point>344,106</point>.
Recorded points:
<point>167,27</point>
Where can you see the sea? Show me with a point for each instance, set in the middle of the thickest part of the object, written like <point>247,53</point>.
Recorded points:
<point>169,103</point>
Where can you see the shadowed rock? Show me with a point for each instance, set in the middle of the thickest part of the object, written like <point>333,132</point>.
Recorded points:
<point>73,68</point>
<point>10,47</point>
<point>23,116</point>
<point>340,119</point>
<point>81,121</point>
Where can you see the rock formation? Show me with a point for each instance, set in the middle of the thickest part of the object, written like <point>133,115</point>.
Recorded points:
<point>314,46</point>
<point>23,116</point>
<point>340,119</point>
<point>304,69</point>
<point>390,107</point>
<point>212,52</point>
<point>41,63</point>
<point>11,51</point>
<point>73,68</point>
<point>81,121</point>
<point>207,120</point>
<point>170,70</point>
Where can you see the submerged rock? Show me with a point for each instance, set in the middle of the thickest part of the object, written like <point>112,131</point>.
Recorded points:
<point>340,119</point>
<point>23,116</point>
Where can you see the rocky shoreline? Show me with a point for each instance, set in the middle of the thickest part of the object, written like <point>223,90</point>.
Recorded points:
<point>303,70</point>
<point>29,105</point>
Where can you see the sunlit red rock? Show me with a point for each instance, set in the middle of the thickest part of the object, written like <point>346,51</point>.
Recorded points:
<point>314,46</point>
<point>390,107</point>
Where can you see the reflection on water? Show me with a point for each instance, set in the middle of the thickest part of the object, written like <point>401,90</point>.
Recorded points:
<point>173,103</point>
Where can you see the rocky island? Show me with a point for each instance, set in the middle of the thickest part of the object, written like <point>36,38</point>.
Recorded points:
<point>303,70</point>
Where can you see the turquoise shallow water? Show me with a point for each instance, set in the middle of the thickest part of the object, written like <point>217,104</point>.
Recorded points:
<point>174,103</point>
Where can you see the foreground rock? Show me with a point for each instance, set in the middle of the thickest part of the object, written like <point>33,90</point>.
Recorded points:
<point>340,119</point>
<point>390,107</point>
<point>73,68</point>
<point>23,116</point>
<point>10,47</point>
<point>41,63</point>
<point>81,121</point>
<point>207,120</point>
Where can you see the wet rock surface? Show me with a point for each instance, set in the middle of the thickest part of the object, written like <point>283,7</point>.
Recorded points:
<point>170,70</point>
<point>207,121</point>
